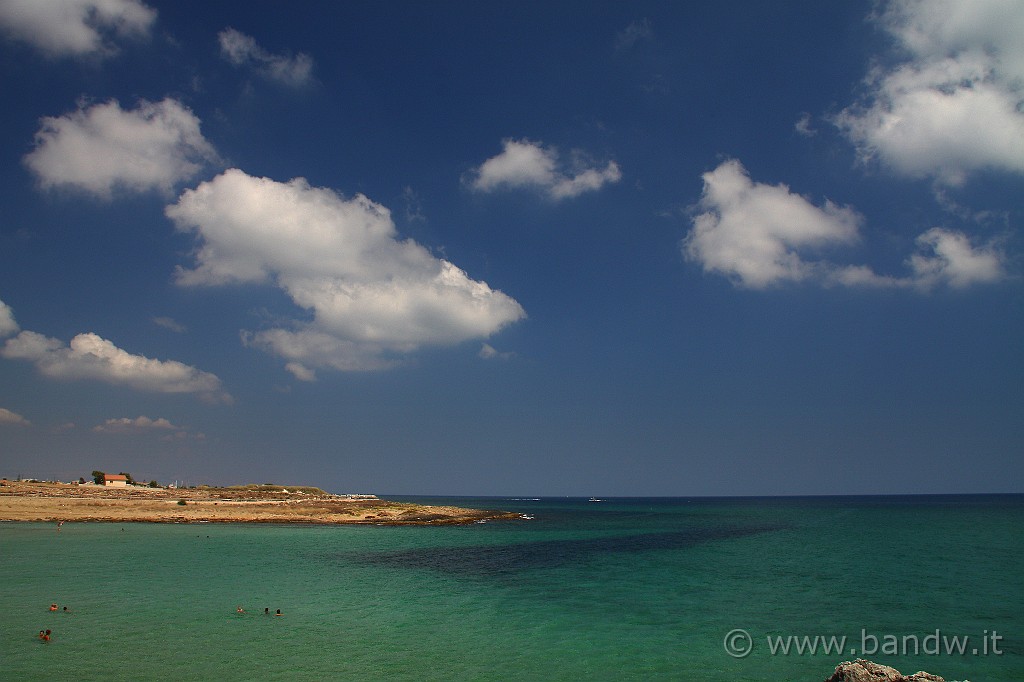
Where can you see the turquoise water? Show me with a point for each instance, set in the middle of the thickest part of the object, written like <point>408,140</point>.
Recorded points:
<point>621,589</point>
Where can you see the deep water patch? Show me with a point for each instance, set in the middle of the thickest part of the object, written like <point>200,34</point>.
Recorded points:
<point>505,559</point>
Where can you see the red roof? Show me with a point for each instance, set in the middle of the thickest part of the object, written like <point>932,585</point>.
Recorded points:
<point>114,477</point>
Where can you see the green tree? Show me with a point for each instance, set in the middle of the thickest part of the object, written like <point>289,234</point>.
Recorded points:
<point>97,476</point>
<point>128,477</point>
<point>154,484</point>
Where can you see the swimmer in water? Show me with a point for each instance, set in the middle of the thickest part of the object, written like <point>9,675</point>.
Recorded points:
<point>53,607</point>
<point>239,609</point>
<point>279,613</point>
<point>46,636</point>
<point>266,612</point>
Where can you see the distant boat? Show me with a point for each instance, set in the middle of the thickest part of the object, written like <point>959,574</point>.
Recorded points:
<point>594,499</point>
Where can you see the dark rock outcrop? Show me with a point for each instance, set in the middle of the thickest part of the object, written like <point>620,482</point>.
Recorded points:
<point>868,671</point>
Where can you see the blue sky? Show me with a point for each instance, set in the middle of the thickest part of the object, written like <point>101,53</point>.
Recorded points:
<point>567,248</point>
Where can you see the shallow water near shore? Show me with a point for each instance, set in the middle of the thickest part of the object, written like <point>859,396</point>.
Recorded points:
<point>617,589</point>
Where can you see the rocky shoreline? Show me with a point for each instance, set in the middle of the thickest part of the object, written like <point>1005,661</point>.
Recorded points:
<point>863,670</point>
<point>56,502</point>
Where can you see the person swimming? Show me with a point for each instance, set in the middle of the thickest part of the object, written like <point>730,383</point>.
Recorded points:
<point>45,636</point>
<point>266,612</point>
<point>53,607</point>
<point>279,613</point>
<point>239,609</point>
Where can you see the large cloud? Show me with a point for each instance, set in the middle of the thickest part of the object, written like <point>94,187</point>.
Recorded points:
<point>373,296</point>
<point>762,235</point>
<point>527,164</point>
<point>75,27</point>
<point>90,357</point>
<point>956,104</point>
<point>103,147</point>
<point>242,50</point>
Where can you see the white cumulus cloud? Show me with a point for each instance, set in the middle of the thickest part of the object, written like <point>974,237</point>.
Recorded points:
<point>527,164</point>
<point>374,297</point>
<point>89,356</point>
<point>75,27</point>
<point>762,235</point>
<point>8,326</point>
<point>101,148</point>
<point>242,50</point>
<point>141,423</point>
<point>947,257</point>
<point>955,104</point>
<point>758,234</point>
<point>8,417</point>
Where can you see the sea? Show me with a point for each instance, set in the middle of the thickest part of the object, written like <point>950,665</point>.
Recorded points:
<point>702,589</point>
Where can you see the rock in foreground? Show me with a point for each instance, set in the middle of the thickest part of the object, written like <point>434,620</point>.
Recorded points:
<point>869,671</point>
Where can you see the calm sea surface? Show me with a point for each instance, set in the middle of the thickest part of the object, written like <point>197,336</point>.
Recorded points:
<point>621,589</point>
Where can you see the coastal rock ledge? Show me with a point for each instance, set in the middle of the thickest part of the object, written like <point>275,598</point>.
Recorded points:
<point>868,671</point>
<point>48,502</point>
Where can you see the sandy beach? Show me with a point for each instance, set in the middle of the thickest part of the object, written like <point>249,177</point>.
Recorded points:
<point>23,501</point>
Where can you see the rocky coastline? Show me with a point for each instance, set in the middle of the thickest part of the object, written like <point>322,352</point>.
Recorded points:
<point>862,670</point>
<point>57,502</point>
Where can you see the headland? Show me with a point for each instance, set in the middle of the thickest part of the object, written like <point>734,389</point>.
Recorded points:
<point>72,502</point>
